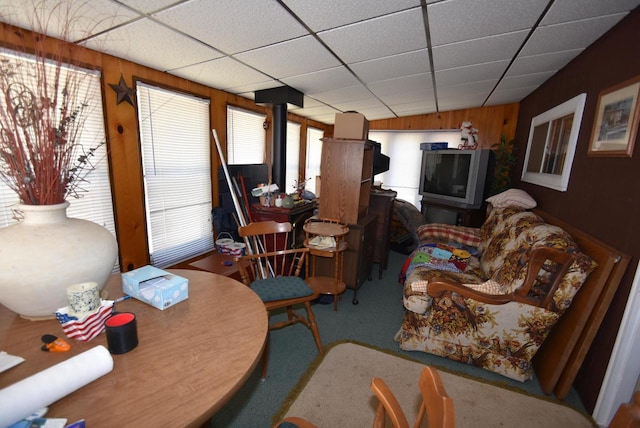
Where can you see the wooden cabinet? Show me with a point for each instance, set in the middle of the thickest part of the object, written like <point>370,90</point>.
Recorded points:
<point>381,205</point>
<point>346,174</point>
<point>296,216</point>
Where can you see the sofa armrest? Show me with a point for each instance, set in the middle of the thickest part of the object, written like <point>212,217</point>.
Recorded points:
<point>545,270</point>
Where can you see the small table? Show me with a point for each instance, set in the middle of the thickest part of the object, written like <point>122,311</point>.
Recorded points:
<point>323,284</point>
<point>190,360</point>
<point>222,264</point>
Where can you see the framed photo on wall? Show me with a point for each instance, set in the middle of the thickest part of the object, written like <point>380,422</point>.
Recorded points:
<point>616,123</point>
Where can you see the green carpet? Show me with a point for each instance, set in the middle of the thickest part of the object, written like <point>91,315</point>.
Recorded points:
<point>374,321</point>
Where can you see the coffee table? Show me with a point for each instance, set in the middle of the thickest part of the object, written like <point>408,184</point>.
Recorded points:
<point>190,360</point>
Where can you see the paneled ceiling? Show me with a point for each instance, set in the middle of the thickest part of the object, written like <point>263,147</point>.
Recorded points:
<point>382,58</point>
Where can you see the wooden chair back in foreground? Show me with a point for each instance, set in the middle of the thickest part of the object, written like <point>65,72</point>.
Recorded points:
<point>436,404</point>
<point>273,270</point>
<point>628,414</point>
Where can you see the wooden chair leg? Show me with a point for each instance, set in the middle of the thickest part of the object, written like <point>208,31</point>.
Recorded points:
<point>313,326</point>
<point>264,359</point>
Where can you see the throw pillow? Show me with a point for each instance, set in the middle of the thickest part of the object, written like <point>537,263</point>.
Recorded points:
<point>512,198</point>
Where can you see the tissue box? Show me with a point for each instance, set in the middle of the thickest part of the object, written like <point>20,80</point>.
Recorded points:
<point>156,287</point>
<point>351,126</point>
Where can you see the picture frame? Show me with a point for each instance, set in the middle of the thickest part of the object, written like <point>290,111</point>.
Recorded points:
<point>616,123</point>
<point>553,137</point>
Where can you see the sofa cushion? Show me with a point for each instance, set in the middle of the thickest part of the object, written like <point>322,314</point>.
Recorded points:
<point>434,232</point>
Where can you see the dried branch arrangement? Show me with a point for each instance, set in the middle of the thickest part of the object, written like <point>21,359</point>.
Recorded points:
<point>42,115</point>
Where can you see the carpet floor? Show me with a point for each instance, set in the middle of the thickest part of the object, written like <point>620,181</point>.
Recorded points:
<point>336,390</point>
<point>373,321</point>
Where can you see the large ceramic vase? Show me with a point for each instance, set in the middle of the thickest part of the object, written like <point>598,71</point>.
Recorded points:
<point>47,252</point>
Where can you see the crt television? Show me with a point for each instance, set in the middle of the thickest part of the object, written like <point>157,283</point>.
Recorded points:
<point>456,178</point>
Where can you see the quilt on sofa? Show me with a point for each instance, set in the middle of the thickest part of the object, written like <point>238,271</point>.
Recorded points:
<point>493,259</point>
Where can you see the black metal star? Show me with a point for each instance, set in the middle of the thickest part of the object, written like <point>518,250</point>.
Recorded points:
<point>124,92</point>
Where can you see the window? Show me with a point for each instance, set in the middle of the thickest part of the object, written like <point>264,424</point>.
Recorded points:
<point>246,137</point>
<point>175,137</point>
<point>403,149</point>
<point>94,203</point>
<point>552,143</point>
<point>314,154</point>
<point>293,156</point>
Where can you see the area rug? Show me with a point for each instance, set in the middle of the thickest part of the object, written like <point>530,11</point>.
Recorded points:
<point>335,391</point>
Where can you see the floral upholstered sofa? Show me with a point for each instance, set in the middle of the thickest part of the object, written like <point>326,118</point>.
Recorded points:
<point>489,296</point>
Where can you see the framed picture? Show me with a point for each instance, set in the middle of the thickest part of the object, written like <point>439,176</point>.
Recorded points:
<point>553,137</point>
<point>616,123</point>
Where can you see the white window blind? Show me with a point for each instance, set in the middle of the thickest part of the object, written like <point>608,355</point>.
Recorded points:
<point>175,137</point>
<point>314,155</point>
<point>293,156</point>
<point>246,137</point>
<point>403,149</point>
<point>94,202</point>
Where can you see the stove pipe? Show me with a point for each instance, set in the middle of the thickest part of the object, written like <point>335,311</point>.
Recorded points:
<point>279,98</point>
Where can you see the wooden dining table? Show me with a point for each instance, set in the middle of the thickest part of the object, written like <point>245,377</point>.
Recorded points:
<point>190,360</point>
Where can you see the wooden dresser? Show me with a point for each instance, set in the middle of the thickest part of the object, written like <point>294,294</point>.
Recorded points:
<point>381,205</point>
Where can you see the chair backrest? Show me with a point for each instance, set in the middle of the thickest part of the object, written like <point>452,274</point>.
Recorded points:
<point>268,243</point>
<point>628,414</point>
<point>436,404</point>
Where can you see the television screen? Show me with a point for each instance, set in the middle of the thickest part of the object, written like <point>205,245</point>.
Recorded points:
<point>454,177</point>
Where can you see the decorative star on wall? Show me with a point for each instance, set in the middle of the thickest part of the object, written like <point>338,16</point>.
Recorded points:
<point>124,92</point>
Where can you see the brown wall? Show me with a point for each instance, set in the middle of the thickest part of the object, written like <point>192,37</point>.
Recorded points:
<point>603,197</point>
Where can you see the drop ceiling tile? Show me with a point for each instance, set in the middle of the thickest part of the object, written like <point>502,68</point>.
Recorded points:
<point>509,96</point>
<point>233,26</point>
<point>252,87</point>
<point>359,105</point>
<point>290,58</point>
<point>378,37</point>
<point>543,62</point>
<point>571,10</point>
<point>468,89</point>
<point>318,110</point>
<point>221,73</point>
<point>526,80</point>
<point>423,106</point>
<point>335,96</point>
<point>420,84</point>
<point>321,81</point>
<point>404,64</point>
<point>572,35</point>
<point>457,20</point>
<point>83,19</point>
<point>166,50</point>
<point>376,113</point>
<point>471,73</point>
<point>148,6</point>
<point>477,51</point>
<point>336,13</point>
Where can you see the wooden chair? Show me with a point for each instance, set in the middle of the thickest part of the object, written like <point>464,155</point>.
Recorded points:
<point>273,272</point>
<point>628,414</point>
<point>436,404</point>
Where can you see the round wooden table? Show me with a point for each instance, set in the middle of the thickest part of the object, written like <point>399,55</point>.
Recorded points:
<point>190,360</point>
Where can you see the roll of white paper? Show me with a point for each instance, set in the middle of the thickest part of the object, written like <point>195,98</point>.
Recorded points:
<point>19,400</point>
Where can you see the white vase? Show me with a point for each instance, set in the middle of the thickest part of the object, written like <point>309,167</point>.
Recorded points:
<point>47,252</point>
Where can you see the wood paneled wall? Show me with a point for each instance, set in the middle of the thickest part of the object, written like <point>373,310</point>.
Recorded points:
<point>491,122</point>
<point>124,145</point>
